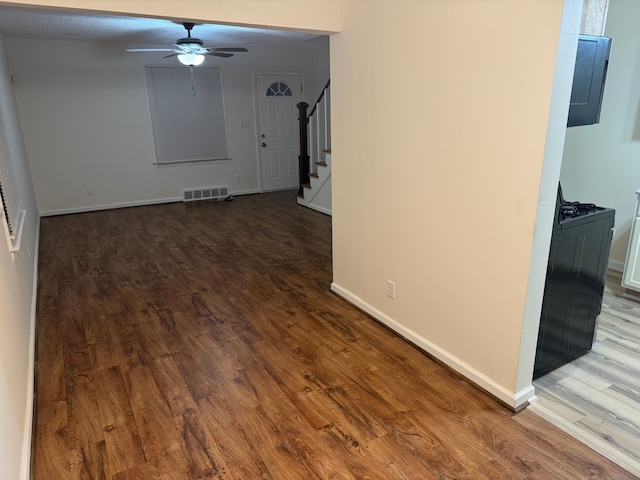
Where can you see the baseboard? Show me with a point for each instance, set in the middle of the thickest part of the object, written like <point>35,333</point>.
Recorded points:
<point>245,192</point>
<point>109,206</point>
<point>137,203</point>
<point>25,469</point>
<point>514,400</point>
<point>317,208</point>
<point>616,266</point>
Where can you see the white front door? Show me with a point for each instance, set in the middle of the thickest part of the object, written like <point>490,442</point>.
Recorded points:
<point>278,130</point>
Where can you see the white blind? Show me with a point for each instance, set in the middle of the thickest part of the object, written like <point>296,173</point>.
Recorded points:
<point>8,188</point>
<point>187,114</point>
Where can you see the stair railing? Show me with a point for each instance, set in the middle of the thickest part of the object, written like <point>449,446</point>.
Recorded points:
<point>315,135</point>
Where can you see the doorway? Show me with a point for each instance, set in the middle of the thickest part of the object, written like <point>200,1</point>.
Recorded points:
<point>278,133</point>
<point>588,397</point>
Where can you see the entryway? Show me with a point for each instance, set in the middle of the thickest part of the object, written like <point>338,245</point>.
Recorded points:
<point>278,133</point>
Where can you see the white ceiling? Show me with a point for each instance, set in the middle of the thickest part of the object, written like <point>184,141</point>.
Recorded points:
<point>137,32</point>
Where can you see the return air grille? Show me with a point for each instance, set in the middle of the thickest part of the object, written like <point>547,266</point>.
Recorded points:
<point>205,193</point>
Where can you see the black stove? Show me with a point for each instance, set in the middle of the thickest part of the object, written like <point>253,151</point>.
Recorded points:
<point>578,259</point>
<point>576,213</point>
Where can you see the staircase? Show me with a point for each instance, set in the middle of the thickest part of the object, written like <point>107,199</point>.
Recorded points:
<point>315,154</point>
<point>317,193</point>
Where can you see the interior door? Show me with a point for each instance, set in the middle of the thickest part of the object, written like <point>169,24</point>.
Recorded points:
<point>278,130</point>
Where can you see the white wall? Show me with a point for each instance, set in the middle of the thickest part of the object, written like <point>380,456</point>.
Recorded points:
<point>439,136</point>
<point>91,100</point>
<point>321,70</point>
<point>601,162</point>
<point>85,120</point>
<point>17,298</point>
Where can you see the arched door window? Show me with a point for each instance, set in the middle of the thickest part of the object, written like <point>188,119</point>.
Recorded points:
<point>279,89</point>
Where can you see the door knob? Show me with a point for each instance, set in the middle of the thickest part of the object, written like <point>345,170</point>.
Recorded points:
<point>264,144</point>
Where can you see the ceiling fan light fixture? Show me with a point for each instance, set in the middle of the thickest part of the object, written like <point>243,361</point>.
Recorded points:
<point>191,59</point>
<point>190,50</point>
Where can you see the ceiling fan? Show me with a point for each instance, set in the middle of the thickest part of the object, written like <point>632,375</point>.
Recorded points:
<point>190,51</point>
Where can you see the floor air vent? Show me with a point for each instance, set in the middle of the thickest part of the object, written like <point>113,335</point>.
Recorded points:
<point>206,193</point>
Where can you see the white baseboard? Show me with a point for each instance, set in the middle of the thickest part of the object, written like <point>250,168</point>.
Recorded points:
<point>137,203</point>
<point>95,208</point>
<point>616,266</point>
<point>317,208</point>
<point>515,400</point>
<point>245,192</point>
<point>25,469</point>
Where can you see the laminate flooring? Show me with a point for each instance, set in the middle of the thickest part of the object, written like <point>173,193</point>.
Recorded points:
<point>200,340</point>
<point>596,398</point>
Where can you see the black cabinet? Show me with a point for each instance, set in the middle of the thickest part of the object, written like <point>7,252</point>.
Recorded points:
<point>589,77</point>
<point>573,290</point>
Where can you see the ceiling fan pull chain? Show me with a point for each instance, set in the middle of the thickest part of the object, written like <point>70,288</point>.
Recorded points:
<point>193,88</point>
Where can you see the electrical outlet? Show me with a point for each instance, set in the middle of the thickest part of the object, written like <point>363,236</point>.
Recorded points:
<point>391,289</point>
<point>89,191</point>
<point>238,178</point>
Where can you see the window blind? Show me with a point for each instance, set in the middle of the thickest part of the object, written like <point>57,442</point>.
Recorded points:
<point>8,188</point>
<point>187,114</point>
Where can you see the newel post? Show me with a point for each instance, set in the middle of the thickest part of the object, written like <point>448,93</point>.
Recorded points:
<point>303,158</point>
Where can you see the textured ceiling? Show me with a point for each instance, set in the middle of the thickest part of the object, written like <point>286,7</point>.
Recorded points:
<point>142,32</point>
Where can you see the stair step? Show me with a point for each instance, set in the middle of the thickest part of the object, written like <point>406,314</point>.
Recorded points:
<point>328,150</point>
<point>306,185</point>
<point>314,175</point>
<point>322,164</point>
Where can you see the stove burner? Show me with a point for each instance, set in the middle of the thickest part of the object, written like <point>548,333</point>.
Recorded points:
<point>576,209</point>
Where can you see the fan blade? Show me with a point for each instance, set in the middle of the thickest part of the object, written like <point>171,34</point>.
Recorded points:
<point>135,50</point>
<point>231,49</point>
<point>219,54</point>
<point>171,55</point>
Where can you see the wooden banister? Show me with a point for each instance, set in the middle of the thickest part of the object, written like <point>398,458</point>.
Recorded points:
<point>304,168</point>
<point>303,158</point>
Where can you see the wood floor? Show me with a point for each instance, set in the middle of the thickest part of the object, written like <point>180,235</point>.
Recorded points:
<point>596,398</point>
<point>200,340</point>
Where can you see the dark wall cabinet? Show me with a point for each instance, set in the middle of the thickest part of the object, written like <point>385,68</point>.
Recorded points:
<point>589,77</point>
<point>573,290</point>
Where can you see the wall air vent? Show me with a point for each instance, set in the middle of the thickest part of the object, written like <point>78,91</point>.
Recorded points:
<point>205,193</point>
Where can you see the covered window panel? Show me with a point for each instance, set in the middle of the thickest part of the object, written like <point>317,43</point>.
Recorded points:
<point>8,188</point>
<point>187,114</point>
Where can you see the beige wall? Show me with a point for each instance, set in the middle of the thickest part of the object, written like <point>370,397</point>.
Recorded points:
<point>312,15</point>
<point>440,113</point>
